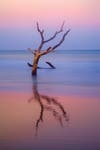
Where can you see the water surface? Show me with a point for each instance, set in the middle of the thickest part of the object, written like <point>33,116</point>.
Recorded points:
<point>57,110</point>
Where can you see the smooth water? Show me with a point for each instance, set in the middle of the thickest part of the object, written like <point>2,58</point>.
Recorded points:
<point>77,72</point>
<point>58,109</point>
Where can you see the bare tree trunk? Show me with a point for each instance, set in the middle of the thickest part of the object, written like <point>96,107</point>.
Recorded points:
<point>35,65</point>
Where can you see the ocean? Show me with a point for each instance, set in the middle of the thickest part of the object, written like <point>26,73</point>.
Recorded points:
<point>77,72</point>
<point>58,109</point>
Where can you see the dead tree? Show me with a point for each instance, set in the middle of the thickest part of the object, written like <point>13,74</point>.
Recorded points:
<point>39,52</point>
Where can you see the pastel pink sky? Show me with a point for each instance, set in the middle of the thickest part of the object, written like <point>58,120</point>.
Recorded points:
<point>18,21</point>
<point>24,12</point>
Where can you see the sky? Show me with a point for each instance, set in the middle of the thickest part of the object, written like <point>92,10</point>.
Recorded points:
<point>18,22</point>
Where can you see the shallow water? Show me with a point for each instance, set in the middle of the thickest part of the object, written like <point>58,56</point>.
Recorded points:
<point>77,72</point>
<point>57,110</point>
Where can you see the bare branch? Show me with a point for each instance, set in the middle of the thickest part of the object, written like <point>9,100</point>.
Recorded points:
<point>46,51</point>
<point>56,33</point>
<point>50,49</point>
<point>42,36</point>
<point>38,27</point>
<point>62,25</point>
<point>43,41</point>
<point>62,40</point>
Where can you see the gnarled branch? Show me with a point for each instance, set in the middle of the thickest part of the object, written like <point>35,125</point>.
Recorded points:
<point>43,41</point>
<point>55,34</point>
<point>50,49</point>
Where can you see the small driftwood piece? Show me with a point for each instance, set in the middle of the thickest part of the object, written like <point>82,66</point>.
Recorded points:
<point>30,65</point>
<point>52,66</point>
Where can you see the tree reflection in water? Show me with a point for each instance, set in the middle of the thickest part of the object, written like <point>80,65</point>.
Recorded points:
<point>47,103</point>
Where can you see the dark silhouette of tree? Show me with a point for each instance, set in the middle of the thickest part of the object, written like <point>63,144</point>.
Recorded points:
<point>39,52</point>
<point>48,103</point>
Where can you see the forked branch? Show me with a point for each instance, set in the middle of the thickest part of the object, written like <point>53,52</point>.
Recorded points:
<point>50,49</point>
<point>43,41</point>
<point>39,52</point>
<point>62,40</point>
<point>55,34</point>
